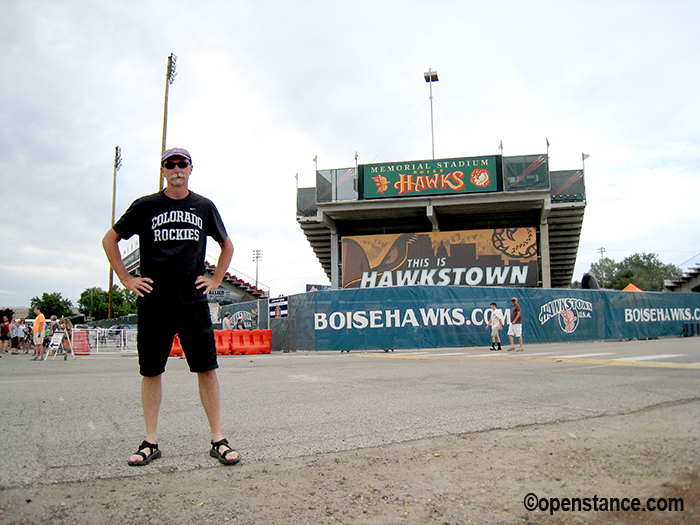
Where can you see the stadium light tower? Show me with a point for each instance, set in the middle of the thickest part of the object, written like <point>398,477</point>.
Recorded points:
<point>430,77</point>
<point>169,79</point>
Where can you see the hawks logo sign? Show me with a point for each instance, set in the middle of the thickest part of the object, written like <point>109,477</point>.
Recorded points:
<point>568,312</point>
<point>480,178</point>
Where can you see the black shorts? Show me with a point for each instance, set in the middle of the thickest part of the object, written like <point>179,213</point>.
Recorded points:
<point>158,324</point>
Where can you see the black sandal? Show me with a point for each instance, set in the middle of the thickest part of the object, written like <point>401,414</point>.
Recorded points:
<point>214,452</point>
<point>154,454</point>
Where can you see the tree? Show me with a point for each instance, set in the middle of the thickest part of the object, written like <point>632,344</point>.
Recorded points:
<point>52,304</point>
<point>94,302</point>
<point>646,271</point>
<point>123,301</point>
<point>604,271</point>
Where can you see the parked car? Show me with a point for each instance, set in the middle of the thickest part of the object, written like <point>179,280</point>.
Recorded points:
<point>116,328</point>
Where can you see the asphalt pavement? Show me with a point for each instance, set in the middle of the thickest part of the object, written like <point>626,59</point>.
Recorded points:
<point>80,419</point>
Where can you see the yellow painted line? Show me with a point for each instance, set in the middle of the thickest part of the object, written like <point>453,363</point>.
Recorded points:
<point>604,362</point>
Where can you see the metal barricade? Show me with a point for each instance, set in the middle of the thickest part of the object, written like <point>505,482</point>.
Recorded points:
<point>104,341</point>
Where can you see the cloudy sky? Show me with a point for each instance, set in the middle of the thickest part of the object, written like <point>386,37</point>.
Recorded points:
<point>264,86</point>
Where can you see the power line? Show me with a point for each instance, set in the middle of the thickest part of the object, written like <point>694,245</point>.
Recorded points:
<point>404,127</point>
<point>693,257</point>
<point>460,127</point>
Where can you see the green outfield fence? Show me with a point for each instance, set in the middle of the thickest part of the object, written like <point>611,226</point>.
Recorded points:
<point>437,316</point>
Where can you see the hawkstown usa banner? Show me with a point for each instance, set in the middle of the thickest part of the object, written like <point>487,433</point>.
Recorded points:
<point>498,257</point>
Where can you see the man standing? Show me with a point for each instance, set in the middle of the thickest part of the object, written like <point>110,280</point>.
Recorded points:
<point>38,333</point>
<point>495,323</point>
<point>172,226</point>
<point>226,323</point>
<point>516,325</point>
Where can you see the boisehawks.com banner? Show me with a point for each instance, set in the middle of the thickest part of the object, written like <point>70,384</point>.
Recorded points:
<point>500,257</point>
<point>435,317</point>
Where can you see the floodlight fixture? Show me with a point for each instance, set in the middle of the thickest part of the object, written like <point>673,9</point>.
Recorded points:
<point>431,76</point>
<point>172,63</point>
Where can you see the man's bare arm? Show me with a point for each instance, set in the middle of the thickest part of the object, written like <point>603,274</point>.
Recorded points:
<point>205,283</point>
<point>140,285</point>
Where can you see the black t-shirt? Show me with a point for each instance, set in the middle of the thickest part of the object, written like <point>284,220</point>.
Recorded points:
<point>173,238</point>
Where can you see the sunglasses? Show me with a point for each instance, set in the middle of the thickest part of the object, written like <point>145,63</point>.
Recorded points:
<point>171,165</point>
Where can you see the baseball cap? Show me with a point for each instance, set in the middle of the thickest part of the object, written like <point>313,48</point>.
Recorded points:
<point>513,298</point>
<point>176,152</point>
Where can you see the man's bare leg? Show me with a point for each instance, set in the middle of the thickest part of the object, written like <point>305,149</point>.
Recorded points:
<point>39,351</point>
<point>209,395</point>
<point>151,395</point>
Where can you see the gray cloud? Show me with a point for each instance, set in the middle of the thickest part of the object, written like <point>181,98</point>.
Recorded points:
<point>262,87</point>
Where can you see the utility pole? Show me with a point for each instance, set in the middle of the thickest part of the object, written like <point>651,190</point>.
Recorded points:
<point>117,165</point>
<point>257,255</point>
<point>169,79</point>
<point>601,251</point>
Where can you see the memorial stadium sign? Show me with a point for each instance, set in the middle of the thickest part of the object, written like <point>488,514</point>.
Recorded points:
<point>430,177</point>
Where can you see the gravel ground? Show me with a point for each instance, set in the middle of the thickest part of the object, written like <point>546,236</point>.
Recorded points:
<point>475,478</point>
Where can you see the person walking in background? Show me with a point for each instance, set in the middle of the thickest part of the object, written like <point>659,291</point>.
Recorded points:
<point>20,330</point>
<point>516,325</point>
<point>67,327</point>
<point>38,330</point>
<point>226,323</point>
<point>495,323</point>
<point>173,226</point>
<point>28,336</point>
<point>240,324</point>
<point>15,336</point>
<point>5,334</point>
<point>53,325</point>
